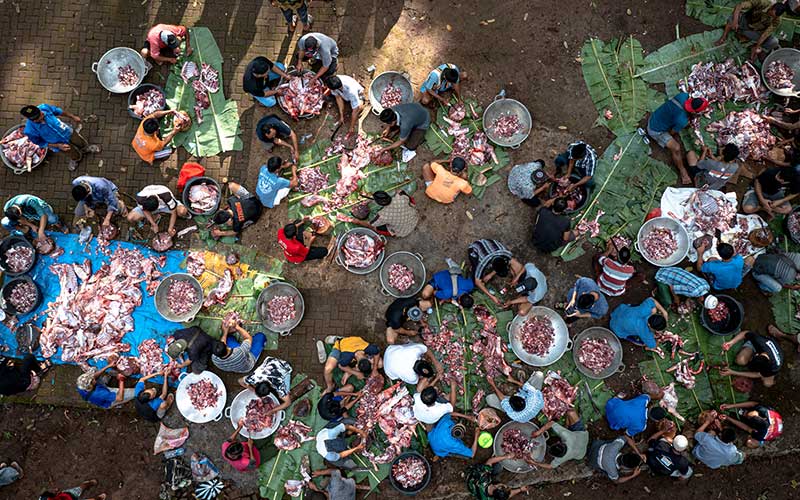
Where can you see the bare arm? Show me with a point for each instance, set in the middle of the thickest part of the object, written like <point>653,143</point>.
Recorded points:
<point>340,105</point>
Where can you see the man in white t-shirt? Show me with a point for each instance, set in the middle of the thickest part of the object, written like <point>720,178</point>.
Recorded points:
<point>429,406</point>
<point>333,446</point>
<point>405,362</point>
<point>346,88</point>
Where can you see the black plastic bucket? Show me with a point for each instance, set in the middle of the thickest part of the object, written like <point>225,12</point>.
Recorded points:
<point>141,89</point>
<point>10,309</point>
<point>421,486</point>
<point>200,180</point>
<point>9,243</point>
<point>732,324</point>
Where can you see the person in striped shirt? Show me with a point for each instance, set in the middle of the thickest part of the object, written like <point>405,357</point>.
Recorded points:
<point>613,270</point>
<point>674,282</point>
<point>232,356</point>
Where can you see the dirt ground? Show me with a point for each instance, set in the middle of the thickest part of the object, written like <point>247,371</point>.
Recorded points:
<point>530,50</point>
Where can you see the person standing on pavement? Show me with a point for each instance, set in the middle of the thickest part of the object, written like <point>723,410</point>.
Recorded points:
<point>75,493</point>
<point>443,184</point>
<point>94,192</point>
<point>196,344</point>
<point>774,272</point>
<point>552,229</point>
<point>30,212</point>
<point>157,199</point>
<point>232,356</point>
<point>716,450</point>
<point>666,122</point>
<point>322,52</point>
<point>346,89</point>
<point>445,78</point>
<point>409,122</point>
<point>45,129</point>
<point>261,79</point>
<point>272,187</point>
<point>296,13</point>
<point>163,43</point>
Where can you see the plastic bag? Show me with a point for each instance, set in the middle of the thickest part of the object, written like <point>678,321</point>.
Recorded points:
<point>168,439</point>
<point>203,469</point>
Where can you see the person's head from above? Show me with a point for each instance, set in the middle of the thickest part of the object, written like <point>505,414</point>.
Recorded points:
<point>759,363</point>
<point>81,191</point>
<point>274,164</point>
<point>779,9</point>
<point>268,130</point>
<point>624,255</point>
<point>310,45</point>
<point>364,366</point>
<point>630,460</point>
<point>527,285</point>
<point>710,302</point>
<point>382,198</point>
<point>13,212</point>
<point>558,449</point>
<point>219,349</point>
<point>264,389</point>
<point>169,39</point>
<point>234,451</point>
<point>332,406</point>
<point>458,165</point>
<point>450,75</point>
<point>730,152</point>
<point>695,105</point>
<point>579,151</point>
<point>652,389</point>
<point>150,126</point>
<point>222,217</point>
<point>501,492</point>
<point>86,381</point>
<point>150,204</point>
<point>333,82</point>
<point>501,266</point>
<point>388,116</point>
<point>726,251</point>
<point>145,396</point>
<point>32,112</point>
<point>261,67</point>
<point>559,206</point>
<point>424,368</point>
<point>727,435</point>
<point>290,230</point>
<point>586,300</point>
<point>680,443</point>
<point>429,396</point>
<point>466,301</point>
<point>47,495</point>
<point>656,322</point>
<point>517,403</point>
<point>657,414</point>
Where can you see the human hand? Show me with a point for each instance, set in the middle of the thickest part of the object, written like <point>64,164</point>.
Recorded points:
<point>724,407</point>
<point>241,422</point>
<point>64,146</point>
<point>636,471</point>
<point>171,231</point>
<point>216,233</point>
<point>76,118</point>
<point>725,372</point>
<point>726,346</point>
<point>154,227</point>
<point>722,418</point>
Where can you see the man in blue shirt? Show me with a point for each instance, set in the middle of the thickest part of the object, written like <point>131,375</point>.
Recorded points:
<point>444,444</point>
<point>31,212</point>
<point>668,120</point>
<point>46,130</point>
<point>716,451</point>
<point>724,273</point>
<point>585,301</point>
<point>99,394</point>
<point>149,404</point>
<point>637,324</point>
<point>444,78</point>
<point>271,187</point>
<point>441,286</point>
<point>91,192</point>
<point>631,415</point>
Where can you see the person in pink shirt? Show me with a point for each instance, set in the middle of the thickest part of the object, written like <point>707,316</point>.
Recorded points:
<point>243,457</point>
<point>163,43</point>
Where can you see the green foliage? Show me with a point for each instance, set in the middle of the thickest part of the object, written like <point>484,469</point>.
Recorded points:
<point>220,129</point>
<point>716,13</point>
<point>600,392</point>
<point>785,304</point>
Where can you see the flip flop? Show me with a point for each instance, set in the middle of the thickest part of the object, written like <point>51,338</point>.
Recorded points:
<point>321,354</point>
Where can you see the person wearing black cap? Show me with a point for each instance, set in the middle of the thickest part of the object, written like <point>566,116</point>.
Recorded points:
<point>668,120</point>
<point>756,20</point>
<point>529,181</point>
<point>243,210</point>
<point>45,129</point>
<point>148,143</point>
<point>408,121</point>
<point>163,43</point>
<point>261,79</point>
<point>444,185</point>
<point>271,130</point>
<point>346,88</point>
<point>323,53</point>
<point>272,187</point>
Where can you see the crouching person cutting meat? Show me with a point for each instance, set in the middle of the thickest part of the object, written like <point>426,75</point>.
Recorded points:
<point>148,143</point>
<point>150,405</point>
<point>244,209</point>
<point>408,122</point>
<point>639,324</point>
<point>93,391</point>
<point>92,193</point>
<point>157,199</point>
<point>297,247</point>
<point>243,457</point>
<point>196,344</point>
<point>525,404</point>
<point>30,214</point>
<point>482,481</point>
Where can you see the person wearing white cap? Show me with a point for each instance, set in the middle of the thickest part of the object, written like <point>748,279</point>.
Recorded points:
<point>665,459</point>
<point>163,43</point>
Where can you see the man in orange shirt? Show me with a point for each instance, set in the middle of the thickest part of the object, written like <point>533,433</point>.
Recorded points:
<point>444,185</point>
<point>147,142</point>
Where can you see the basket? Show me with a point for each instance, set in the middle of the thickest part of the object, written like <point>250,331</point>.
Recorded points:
<point>7,307</point>
<point>141,89</point>
<point>425,480</point>
<point>17,169</point>
<point>7,244</point>
<point>360,270</point>
<point>383,80</point>
<point>107,69</point>
<point>501,106</point>
<point>411,260</point>
<point>200,180</point>
<point>792,59</point>
<point>674,226</point>
<point>161,298</point>
<point>597,332</point>
<point>275,289</point>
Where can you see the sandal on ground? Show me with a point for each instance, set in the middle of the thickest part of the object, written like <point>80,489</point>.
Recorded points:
<point>73,165</point>
<point>321,354</point>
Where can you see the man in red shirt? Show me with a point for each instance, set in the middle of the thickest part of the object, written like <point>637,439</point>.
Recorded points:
<point>163,43</point>
<point>290,238</point>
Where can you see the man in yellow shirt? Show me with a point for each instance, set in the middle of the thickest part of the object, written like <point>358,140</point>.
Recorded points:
<point>444,185</point>
<point>147,143</point>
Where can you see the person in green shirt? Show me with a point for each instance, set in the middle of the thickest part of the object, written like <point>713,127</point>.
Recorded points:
<point>573,440</point>
<point>756,20</point>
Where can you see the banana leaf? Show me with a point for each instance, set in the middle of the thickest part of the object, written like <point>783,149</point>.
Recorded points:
<point>628,184</point>
<point>600,393</point>
<point>786,303</point>
<point>675,60</point>
<point>608,70</point>
<point>716,13</point>
<point>220,129</point>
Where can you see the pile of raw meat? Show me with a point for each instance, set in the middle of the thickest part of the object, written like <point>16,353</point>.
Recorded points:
<point>516,443</point>
<point>477,151</point>
<point>19,258</point>
<point>203,197</point>
<point>203,81</point>
<point>506,126</point>
<point>596,354</point>
<point>725,81</point>
<point>128,365</point>
<point>148,103</point>
<point>181,297</point>
<point>537,335</point>
<point>401,277</point>
<point>292,435</point>
<point>209,77</point>
<point>44,246</point>
<point>161,242</point>
<point>490,346</point>
<point>780,76</point>
<point>93,312</point>
<point>409,472</point>
<point>589,226</point>
<point>449,349</point>
<point>392,411</point>
<point>281,309</point>
<point>219,294</point>
<point>201,99</point>
<point>559,396</point>
<point>748,130</point>
<point>793,222</point>
<point>361,250</point>
<point>195,264</point>
<point>181,120</point>
<point>151,358</point>
<point>710,212</point>
<point>189,70</point>
<point>301,97</point>
<point>312,180</point>
<point>127,76</point>
<point>660,243</point>
<point>203,394</point>
<point>391,96</point>
<point>17,148</point>
<point>719,313</point>
<point>23,296</point>
<point>574,197</point>
<point>256,417</point>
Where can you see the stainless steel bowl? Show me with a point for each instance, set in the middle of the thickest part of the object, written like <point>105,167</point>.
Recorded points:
<point>537,453</point>
<point>280,288</point>
<point>597,332</point>
<point>502,106</point>
<point>792,59</point>
<point>20,169</point>
<point>561,344</point>
<point>161,298</point>
<point>238,409</point>
<point>412,261</point>
<point>107,69</point>
<point>680,234</point>
<point>380,83</point>
<point>360,270</point>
